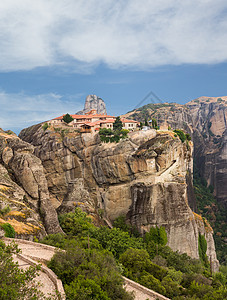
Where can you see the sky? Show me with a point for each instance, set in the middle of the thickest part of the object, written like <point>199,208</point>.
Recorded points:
<point>54,53</point>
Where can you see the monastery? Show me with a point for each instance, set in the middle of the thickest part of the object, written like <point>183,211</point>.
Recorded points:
<point>91,122</point>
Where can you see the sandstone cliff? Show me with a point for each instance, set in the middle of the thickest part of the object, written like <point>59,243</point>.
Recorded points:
<point>144,177</point>
<point>205,119</point>
<point>24,196</point>
<point>93,102</point>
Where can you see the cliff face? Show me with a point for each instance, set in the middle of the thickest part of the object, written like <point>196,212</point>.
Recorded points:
<point>23,189</point>
<point>93,102</point>
<point>143,177</point>
<point>209,117</point>
<point>205,119</point>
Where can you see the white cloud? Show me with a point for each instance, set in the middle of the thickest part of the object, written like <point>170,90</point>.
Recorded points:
<point>124,33</point>
<point>24,110</point>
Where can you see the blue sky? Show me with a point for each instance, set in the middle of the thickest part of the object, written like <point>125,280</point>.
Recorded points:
<point>54,53</point>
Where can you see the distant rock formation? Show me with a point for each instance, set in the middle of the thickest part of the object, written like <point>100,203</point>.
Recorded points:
<point>93,102</point>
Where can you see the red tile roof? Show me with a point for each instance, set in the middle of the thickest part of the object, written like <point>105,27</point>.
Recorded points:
<point>91,116</point>
<point>128,121</point>
<point>98,121</point>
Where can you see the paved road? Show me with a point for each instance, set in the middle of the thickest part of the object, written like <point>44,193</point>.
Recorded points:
<point>138,294</point>
<point>36,253</point>
<point>44,253</point>
<point>46,284</point>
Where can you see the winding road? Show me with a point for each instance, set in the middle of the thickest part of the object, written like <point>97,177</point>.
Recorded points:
<point>33,253</point>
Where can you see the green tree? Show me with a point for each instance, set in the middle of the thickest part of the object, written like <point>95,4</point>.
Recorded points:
<point>116,240</point>
<point>203,249</point>
<point>117,125</point>
<point>89,274</point>
<point>16,283</point>
<point>75,223</point>
<point>145,122</point>
<point>157,235</point>
<point>67,118</point>
<point>154,123</point>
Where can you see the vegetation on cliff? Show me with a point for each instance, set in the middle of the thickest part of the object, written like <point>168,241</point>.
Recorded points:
<point>88,266</point>
<point>108,135</point>
<point>211,209</point>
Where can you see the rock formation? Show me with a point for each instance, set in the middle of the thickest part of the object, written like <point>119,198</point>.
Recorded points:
<point>24,195</point>
<point>93,102</point>
<point>205,119</point>
<point>143,177</point>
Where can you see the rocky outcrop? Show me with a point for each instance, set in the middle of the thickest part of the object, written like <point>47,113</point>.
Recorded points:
<point>205,120</point>
<point>24,195</point>
<point>93,102</point>
<point>143,177</point>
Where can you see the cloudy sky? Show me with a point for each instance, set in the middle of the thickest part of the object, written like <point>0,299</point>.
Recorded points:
<point>54,53</point>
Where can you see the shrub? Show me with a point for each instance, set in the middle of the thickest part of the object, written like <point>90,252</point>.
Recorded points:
<point>45,126</point>
<point>171,287</point>
<point>120,222</point>
<point>181,134</point>
<point>5,210</point>
<point>116,240</point>
<point>157,235</point>
<point>75,223</point>
<point>152,283</point>
<point>90,272</point>
<point>202,244</point>
<point>9,230</point>
<point>137,262</point>
<point>83,288</point>
<point>160,261</point>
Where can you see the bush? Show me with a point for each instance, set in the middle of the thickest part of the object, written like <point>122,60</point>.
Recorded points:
<point>202,244</point>
<point>5,210</point>
<point>137,262</point>
<point>120,222</point>
<point>75,223</point>
<point>90,272</point>
<point>157,235</point>
<point>152,283</point>
<point>9,230</point>
<point>115,240</point>
<point>171,287</point>
<point>45,126</point>
<point>181,134</point>
<point>82,289</point>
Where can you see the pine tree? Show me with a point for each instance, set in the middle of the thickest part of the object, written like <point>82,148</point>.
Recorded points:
<point>117,125</point>
<point>67,118</point>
